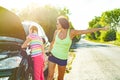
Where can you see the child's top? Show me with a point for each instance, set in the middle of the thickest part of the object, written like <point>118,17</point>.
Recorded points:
<point>35,44</point>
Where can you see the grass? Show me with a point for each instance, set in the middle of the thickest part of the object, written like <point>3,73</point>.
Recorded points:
<point>117,43</point>
<point>70,61</point>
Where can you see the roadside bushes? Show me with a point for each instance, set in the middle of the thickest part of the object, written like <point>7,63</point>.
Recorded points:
<point>110,35</point>
<point>103,36</point>
<point>118,36</point>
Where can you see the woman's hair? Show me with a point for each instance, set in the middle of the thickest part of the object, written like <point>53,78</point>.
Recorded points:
<point>33,28</point>
<point>63,22</point>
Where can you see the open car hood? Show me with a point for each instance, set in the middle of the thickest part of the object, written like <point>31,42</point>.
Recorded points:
<point>26,24</point>
<point>10,25</point>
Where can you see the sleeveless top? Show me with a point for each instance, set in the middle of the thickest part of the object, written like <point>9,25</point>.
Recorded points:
<point>35,44</point>
<point>61,46</point>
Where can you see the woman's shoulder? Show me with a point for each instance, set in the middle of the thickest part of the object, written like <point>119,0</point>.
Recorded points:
<point>56,31</point>
<point>71,30</point>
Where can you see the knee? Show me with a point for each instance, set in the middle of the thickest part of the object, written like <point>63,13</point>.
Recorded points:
<point>50,76</point>
<point>60,78</point>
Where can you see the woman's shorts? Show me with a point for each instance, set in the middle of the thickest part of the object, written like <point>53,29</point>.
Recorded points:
<point>57,61</point>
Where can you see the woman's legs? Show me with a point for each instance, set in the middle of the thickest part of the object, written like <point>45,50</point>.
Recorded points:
<point>51,69</point>
<point>61,72</point>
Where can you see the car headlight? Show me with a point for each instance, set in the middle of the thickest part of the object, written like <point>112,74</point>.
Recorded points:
<point>11,62</point>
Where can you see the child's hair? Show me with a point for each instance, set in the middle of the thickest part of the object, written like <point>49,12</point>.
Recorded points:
<point>33,28</point>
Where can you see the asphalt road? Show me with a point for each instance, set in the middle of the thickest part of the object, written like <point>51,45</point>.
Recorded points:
<point>95,61</point>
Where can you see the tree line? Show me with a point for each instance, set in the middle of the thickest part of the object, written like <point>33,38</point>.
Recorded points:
<point>45,16</point>
<point>109,18</point>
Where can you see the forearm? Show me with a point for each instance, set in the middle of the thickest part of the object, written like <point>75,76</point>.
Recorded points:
<point>93,30</point>
<point>24,46</point>
<point>90,30</point>
<point>43,49</point>
<point>79,32</point>
<point>26,43</point>
<point>51,46</point>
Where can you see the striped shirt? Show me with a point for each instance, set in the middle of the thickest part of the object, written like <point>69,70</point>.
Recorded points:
<point>35,44</point>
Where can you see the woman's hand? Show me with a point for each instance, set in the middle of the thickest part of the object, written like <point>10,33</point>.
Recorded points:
<point>105,28</point>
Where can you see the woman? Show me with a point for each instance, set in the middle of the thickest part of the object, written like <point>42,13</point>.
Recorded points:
<point>60,45</point>
<point>37,52</point>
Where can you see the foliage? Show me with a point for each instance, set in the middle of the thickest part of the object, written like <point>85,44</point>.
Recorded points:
<point>46,17</point>
<point>108,18</point>
<point>94,24</point>
<point>118,36</point>
<point>111,17</point>
<point>91,36</point>
<point>110,35</point>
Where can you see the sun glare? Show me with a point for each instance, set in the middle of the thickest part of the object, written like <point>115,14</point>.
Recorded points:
<point>16,4</point>
<point>19,4</point>
<point>79,9</point>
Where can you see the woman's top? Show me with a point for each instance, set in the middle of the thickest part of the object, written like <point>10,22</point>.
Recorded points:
<point>61,46</point>
<point>35,44</point>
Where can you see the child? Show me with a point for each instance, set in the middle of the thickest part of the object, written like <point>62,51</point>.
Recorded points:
<point>37,52</point>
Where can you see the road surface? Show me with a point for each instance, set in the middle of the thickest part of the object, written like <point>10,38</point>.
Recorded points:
<point>95,61</point>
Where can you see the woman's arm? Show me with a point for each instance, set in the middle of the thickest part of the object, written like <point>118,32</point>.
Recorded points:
<point>52,42</point>
<point>79,32</point>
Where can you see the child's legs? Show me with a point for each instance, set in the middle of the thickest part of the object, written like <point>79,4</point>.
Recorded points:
<point>42,68</point>
<point>38,65</point>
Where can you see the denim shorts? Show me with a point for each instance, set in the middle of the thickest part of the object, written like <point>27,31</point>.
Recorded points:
<point>57,61</point>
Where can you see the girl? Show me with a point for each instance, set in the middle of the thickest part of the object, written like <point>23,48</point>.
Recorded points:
<point>37,52</point>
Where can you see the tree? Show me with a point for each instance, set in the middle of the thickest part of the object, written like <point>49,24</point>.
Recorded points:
<point>45,16</point>
<point>108,18</point>
<point>94,23</point>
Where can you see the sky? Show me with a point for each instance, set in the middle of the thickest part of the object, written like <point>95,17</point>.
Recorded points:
<point>82,11</point>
